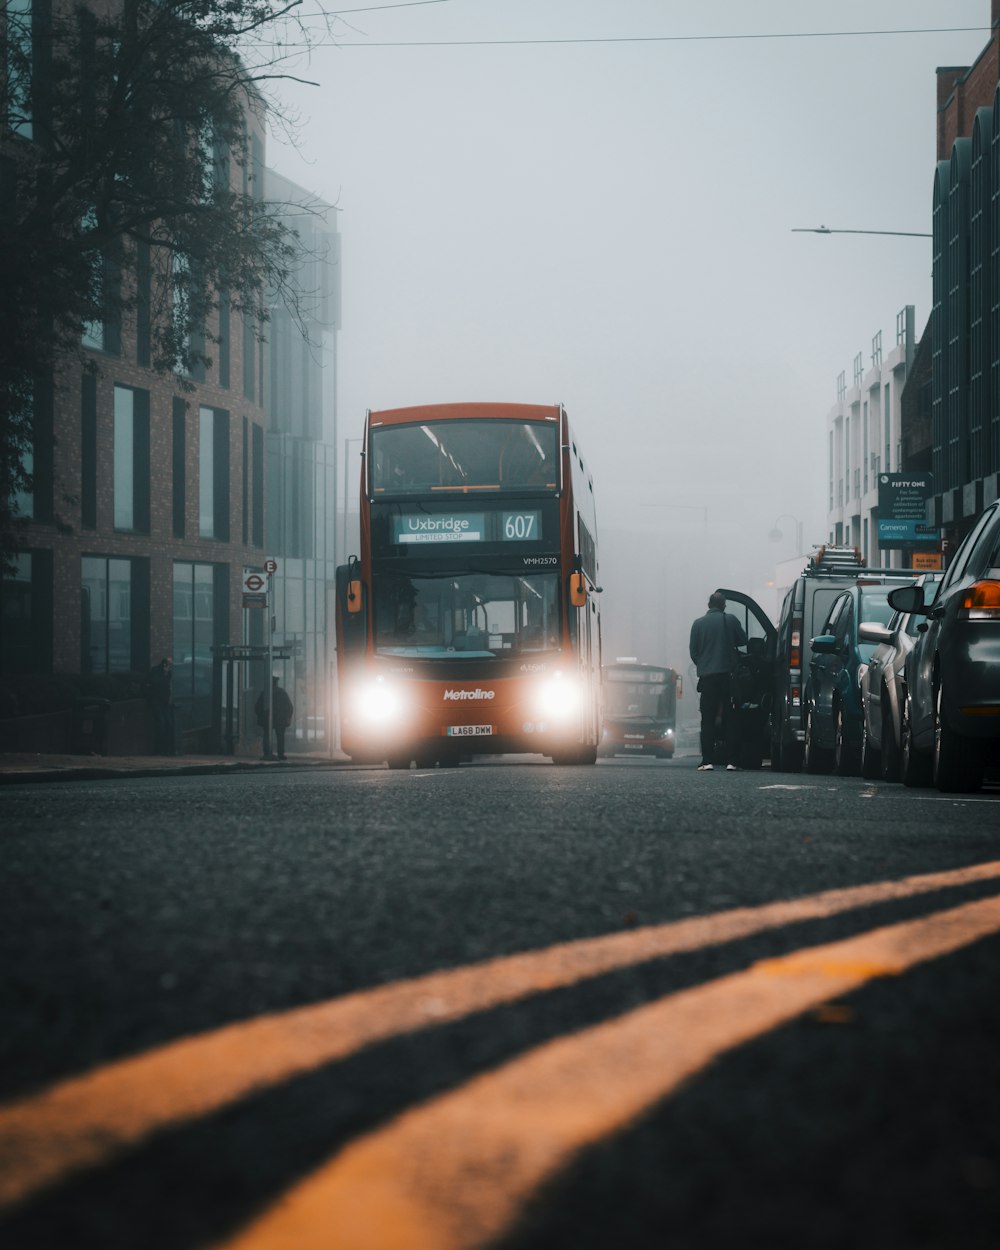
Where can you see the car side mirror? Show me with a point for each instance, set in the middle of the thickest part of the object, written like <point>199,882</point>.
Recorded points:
<point>824,644</point>
<point>873,631</point>
<point>908,599</point>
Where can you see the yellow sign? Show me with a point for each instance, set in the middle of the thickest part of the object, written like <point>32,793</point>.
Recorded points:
<point>924,560</point>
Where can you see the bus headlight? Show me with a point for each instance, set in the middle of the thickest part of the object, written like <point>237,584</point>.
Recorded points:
<point>560,697</point>
<point>379,703</point>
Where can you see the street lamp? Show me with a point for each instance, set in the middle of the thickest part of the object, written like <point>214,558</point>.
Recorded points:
<point>776,534</point>
<point>910,234</point>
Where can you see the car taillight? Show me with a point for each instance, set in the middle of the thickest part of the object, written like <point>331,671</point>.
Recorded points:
<point>795,652</point>
<point>981,602</point>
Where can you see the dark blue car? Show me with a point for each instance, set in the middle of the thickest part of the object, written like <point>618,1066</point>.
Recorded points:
<point>834,714</point>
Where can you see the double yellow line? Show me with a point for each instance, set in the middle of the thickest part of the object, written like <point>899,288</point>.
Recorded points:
<point>453,1172</point>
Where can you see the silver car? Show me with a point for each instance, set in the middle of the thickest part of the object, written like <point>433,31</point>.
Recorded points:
<point>881,684</point>
<point>951,708</point>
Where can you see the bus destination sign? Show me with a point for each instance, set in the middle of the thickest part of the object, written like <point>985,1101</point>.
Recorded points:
<point>467,527</point>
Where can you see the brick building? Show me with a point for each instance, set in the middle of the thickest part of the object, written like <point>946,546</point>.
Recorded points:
<point>149,497</point>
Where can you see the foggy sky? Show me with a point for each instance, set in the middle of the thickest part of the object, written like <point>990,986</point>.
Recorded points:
<point>609,226</point>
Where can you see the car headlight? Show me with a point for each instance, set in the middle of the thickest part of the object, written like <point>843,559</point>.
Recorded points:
<point>560,697</point>
<point>378,702</point>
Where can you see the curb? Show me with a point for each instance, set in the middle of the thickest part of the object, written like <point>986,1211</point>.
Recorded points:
<point>96,772</point>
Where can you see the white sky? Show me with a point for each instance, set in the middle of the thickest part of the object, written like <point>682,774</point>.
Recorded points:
<point>609,226</point>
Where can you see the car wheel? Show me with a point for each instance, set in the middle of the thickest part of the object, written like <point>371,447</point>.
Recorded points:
<point>814,758</point>
<point>791,757</point>
<point>871,763</point>
<point>777,756</point>
<point>914,767</point>
<point>399,761</point>
<point>845,756</point>
<point>958,760</point>
<point>889,754</point>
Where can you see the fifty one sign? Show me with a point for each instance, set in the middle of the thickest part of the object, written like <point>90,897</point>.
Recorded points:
<point>902,510</point>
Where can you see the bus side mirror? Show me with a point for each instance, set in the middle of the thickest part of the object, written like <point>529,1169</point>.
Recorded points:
<point>680,686</point>
<point>578,591</point>
<point>354,596</point>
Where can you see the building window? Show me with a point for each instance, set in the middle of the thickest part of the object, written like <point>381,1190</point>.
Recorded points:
<point>213,473</point>
<point>143,304</point>
<point>105,615</point>
<point>249,356</point>
<point>18,60</point>
<point>224,357</point>
<point>257,536</point>
<point>104,333</point>
<point>199,623</point>
<point>245,511</point>
<point>131,459</point>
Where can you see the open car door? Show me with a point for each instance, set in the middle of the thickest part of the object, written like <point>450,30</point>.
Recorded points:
<point>753,682</point>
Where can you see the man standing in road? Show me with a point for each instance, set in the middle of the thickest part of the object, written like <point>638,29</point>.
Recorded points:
<point>714,639</point>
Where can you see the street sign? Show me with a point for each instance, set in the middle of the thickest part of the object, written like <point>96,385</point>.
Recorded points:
<point>270,566</point>
<point>254,601</point>
<point>254,583</point>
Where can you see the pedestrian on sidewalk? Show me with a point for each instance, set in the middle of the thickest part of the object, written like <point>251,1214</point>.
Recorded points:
<point>714,639</point>
<point>282,710</point>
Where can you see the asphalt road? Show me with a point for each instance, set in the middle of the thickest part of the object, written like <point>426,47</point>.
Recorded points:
<point>676,1059</point>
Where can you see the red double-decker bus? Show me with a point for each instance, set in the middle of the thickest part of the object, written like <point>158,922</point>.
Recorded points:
<point>469,623</point>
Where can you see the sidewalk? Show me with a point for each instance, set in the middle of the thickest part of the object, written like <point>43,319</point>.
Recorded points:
<point>15,769</point>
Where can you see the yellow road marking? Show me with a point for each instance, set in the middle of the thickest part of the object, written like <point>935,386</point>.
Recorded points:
<point>453,1173</point>
<point>89,1119</point>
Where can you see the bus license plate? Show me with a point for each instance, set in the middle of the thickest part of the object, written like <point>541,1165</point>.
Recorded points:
<point>469,731</point>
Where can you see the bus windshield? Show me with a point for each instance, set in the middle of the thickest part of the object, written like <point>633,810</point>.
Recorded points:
<point>632,694</point>
<point>459,455</point>
<point>466,615</point>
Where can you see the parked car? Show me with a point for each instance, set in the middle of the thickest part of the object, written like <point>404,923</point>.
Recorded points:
<point>805,608</point>
<point>882,684</point>
<point>951,711</point>
<point>833,692</point>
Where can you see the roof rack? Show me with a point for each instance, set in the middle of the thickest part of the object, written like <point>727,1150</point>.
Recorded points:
<point>830,558</point>
<point>834,561</point>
